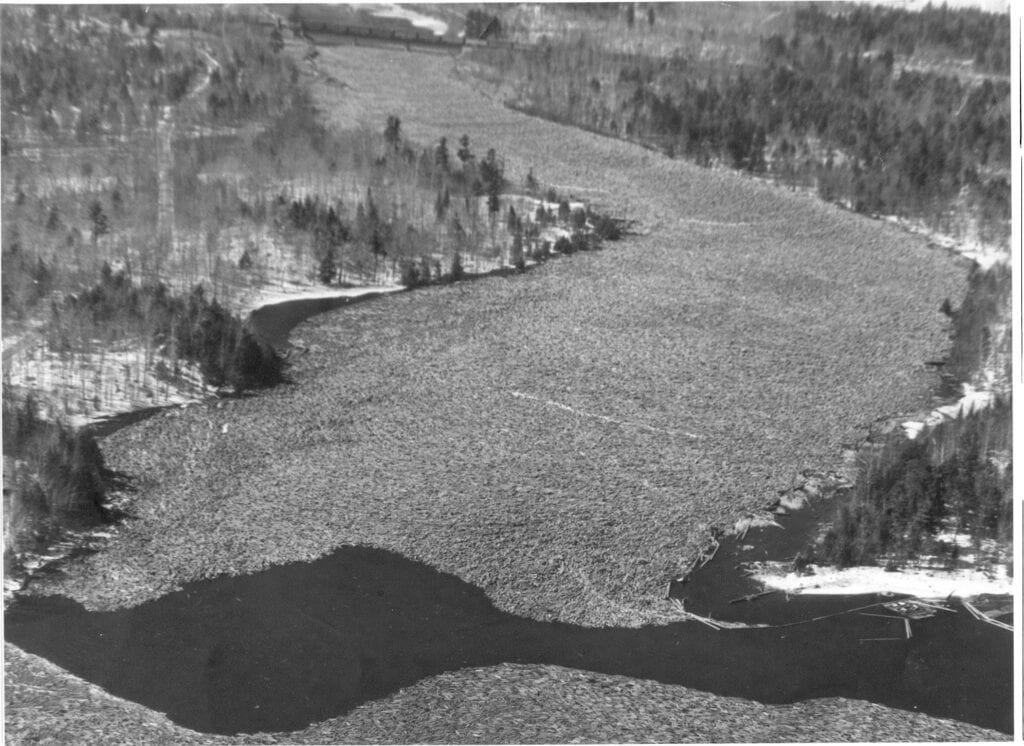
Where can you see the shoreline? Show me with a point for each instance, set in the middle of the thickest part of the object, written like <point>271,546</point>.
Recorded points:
<point>554,518</point>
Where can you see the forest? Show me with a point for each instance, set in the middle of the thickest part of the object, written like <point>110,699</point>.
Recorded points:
<point>942,496</point>
<point>144,210</point>
<point>885,111</point>
<point>246,187</point>
<point>58,474</point>
<point>949,491</point>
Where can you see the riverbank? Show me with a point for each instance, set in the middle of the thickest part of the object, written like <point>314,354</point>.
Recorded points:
<point>478,705</point>
<point>555,514</point>
<point>918,581</point>
<point>360,624</point>
<point>761,323</point>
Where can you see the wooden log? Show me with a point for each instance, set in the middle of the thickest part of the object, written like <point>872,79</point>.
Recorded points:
<point>935,606</point>
<point>752,596</point>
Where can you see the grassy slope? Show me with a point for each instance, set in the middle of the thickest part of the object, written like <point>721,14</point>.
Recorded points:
<point>765,324</point>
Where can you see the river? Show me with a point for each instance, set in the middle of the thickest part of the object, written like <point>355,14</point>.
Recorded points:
<point>303,642</point>
<point>300,643</point>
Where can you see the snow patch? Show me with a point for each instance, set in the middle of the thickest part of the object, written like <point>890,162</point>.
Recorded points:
<point>434,25</point>
<point>971,402</point>
<point>921,582</point>
<point>85,387</point>
<point>267,296</point>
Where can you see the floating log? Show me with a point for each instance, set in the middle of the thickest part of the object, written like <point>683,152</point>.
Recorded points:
<point>935,606</point>
<point>707,558</point>
<point>981,616</point>
<point>752,596</point>
<point>704,620</point>
<point>911,608</point>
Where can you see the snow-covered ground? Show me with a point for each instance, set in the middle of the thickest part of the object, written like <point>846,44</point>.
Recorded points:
<point>390,10</point>
<point>271,295</point>
<point>95,384</point>
<point>973,401</point>
<point>89,386</point>
<point>970,247</point>
<point>922,582</point>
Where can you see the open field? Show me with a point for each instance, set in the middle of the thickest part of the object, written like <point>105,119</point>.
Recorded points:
<point>562,439</point>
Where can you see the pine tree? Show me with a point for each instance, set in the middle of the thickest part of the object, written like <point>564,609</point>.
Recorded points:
<point>457,272</point>
<point>328,269</point>
<point>517,258</point>
<point>464,153</point>
<point>563,212</point>
<point>393,132</point>
<point>441,158</point>
<point>100,224</point>
<point>441,205</point>
<point>531,182</point>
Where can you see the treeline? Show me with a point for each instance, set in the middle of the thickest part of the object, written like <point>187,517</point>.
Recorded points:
<point>85,72</point>
<point>471,211</point>
<point>824,105</point>
<point>953,480</point>
<point>55,479</point>
<point>65,74</point>
<point>253,79</point>
<point>962,33</point>
<point>917,500</point>
<point>980,324</point>
<point>193,329</point>
<point>99,72</point>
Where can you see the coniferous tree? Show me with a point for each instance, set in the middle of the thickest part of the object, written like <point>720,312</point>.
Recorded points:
<point>100,224</point>
<point>441,157</point>
<point>393,132</point>
<point>464,153</point>
<point>531,182</point>
<point>328,269</point>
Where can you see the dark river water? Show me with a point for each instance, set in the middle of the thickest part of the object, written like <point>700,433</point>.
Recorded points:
<point>300,643</point>
<point>274,322</point>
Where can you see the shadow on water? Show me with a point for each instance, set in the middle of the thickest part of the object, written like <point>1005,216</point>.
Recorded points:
<point>273,322</point>
<point>300,643</point>
<point>113,423</point>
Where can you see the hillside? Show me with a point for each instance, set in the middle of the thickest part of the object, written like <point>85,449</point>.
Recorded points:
<point>563,439</point>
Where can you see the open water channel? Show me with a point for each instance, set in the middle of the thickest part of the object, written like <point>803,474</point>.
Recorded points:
<point>300,643</point>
